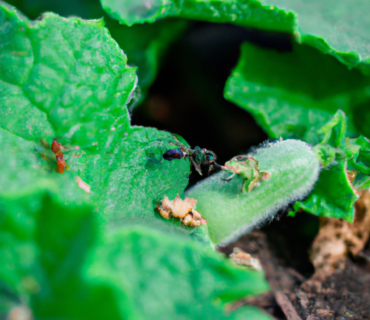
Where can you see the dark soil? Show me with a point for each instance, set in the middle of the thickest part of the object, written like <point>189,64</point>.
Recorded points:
<point>344,295</point>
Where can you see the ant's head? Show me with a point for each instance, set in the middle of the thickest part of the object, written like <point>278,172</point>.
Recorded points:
<point>210,156</point>
<point>210,160</point>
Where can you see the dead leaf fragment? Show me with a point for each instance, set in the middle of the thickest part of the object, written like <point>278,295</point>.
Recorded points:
<point>20,313</point>
<point>83,185</point>
<point>338,238</point>
<point>181,209</point>
<point>287,307</point>
<point>245,259</point>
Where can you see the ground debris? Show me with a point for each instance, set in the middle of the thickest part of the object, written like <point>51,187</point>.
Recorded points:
<point>82,184</point>
<point>345,295</point>
<point>20,313</point>
<point>181,209</point>
<point>338,238</point>
<point>286,306</point>
<point>245,259</point>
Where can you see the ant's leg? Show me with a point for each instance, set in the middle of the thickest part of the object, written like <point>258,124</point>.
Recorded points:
<point>242,189</point>
<point>173,136</point>
<point>178,144</point>
<point>256,178</point>
<point>216,165</point>
<point>251,185</point>
<point>195,165</point>
<point>229,178</point>
<point>213,166</point>
<point>240,157</point>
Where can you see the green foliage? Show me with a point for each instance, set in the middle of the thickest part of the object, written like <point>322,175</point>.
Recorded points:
<point>125,267</point>
<point>249,13</point>
<point>293,94</point>
<point>360,160</point>
<point>66,250</point>
<point>144,45</point>
<point>103,252</point>
<point>293,169</point>
<point>161,272</point>
<point>336,28</point>
<point>128,171</point>
<point>57,66</point>
<point>132,174</point>
<point>333,194</point>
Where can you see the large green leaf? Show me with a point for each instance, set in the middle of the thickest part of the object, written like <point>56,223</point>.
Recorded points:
<point>293,169</point>
<point>144,45</point>
<point>336,28</point>
<point>293,94</point>
<point>128,176</point>
<point>132,177</point>
<point>62,77</point>
<point>170,277</point>
<point>249,13</point>
<point>48,227</point>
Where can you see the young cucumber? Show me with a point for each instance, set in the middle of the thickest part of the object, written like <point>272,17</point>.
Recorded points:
<point>292,169</point>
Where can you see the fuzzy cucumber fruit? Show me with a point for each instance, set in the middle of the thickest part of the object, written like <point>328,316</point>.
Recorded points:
<point>293,169</point>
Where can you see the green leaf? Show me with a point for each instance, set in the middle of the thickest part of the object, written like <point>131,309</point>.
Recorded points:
<point>250,13</point>
<point>333,195</point>
<point>23,170</point>
<point>144,45</point>
<point>132,178</point>
<point>128,176</point>
<point>293,169</point>
<point>44,243</point>
<point>62,77</point>
<point>48,227</point>
<point>293,94</point>
<point>332,147</point>
<point>336,28</point>
<point>128,180</point>
<point>361,161</point>
<point>334,130</point>
<point>168,276</point>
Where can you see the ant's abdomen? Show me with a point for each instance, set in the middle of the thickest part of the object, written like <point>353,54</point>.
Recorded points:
<point>173,154</point>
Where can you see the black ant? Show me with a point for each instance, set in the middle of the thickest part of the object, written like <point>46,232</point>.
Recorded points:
<point>197,156</point>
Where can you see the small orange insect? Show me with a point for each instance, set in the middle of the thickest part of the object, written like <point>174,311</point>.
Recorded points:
<point>56,147</point>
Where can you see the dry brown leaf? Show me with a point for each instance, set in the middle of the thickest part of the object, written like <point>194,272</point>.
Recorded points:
<point>245,259</point>
<point>338,238</point>
<point>181,209</point>
<point>20,313</point>
<point>83,185</point>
